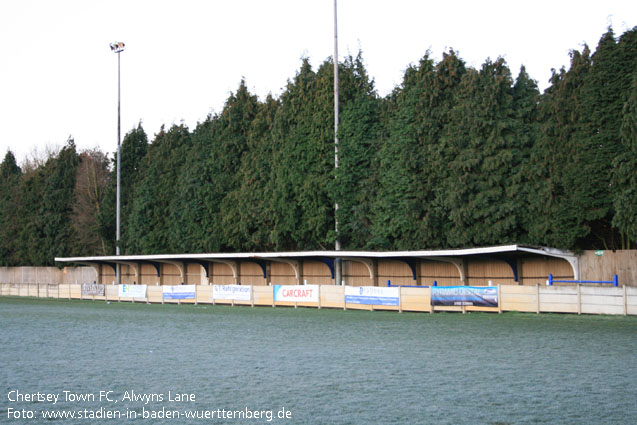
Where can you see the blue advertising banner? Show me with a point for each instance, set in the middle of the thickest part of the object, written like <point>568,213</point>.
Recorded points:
<point>481,296</point>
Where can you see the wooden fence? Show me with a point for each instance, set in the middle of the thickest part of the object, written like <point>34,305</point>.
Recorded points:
<point>578,299</point>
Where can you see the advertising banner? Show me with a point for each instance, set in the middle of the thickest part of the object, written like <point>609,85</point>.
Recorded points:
<point>92,289</point>
<point>375,295</point>
<point>232,292</point>
<point>179,292</point>
<point>481,296</point>
<point>131,291</point>
<point>296,293</point>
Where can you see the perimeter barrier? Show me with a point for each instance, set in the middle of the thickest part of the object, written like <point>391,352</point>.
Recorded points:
<point>537,299</point>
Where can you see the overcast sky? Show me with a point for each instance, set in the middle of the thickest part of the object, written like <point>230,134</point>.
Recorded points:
<point>58,77</point>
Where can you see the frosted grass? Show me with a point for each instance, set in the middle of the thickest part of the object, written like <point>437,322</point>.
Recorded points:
<point>325,366</point>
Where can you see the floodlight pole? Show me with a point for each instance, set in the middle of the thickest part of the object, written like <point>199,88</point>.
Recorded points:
<point>119,155</point>
<point>118,48</point>
<point>338,276</point>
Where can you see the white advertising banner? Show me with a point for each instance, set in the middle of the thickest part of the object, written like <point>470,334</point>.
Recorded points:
<point>232,292</point>
<point>179,292</point>
<point>93,289</point>
<point>375,295</point>
<point>296,293</point>
<point>131,291</point>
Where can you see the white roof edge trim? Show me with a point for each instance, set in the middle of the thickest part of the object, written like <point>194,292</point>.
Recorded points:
<point>305,254</point>
<point>551,252</point>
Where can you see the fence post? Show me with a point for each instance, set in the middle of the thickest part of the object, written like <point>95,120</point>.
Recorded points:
<point>344,299</point>
<point>499,299</point>
<point>579,298</point>
<point>625,302</point>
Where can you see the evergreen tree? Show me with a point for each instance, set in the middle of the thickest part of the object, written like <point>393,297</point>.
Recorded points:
<point>54,219</point>
<point>247,210</point>
<point>303,135</point>
<point>28,199</point>
<point>10,175</point>
<point>625,173</point>
<point>559,200</point>
<point>134,148</point>
<point>526,97</point>
<point>360,131</point>
<point>90,186</point>
<point>149,227</point>
<point>604,90</point>
<point>480,186</point>
<point>231,134</point>
<point>409,210</point>
<point>211,173</point>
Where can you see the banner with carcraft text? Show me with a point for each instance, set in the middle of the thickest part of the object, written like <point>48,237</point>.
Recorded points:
<point>179,292</point>
<point>232,292</point>
<point>372,295</point>
<point>131,291</point>
<point>480,296</point>
<point>296,293</point>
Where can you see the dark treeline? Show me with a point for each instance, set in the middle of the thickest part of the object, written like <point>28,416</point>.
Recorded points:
<point>453,157</point>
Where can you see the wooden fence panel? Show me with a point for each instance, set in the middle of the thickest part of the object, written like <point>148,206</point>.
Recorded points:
<point>519,298</point>
<point>262,295</point>
<point>415,299</point>
<point>332,296</point>
<point>154,294</point>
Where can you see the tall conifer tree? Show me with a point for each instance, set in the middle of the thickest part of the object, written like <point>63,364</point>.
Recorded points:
<point>409,211</point>
<point>559,200</point>
<point>149,227</point>
<point>10,175</point>
<point>359,137</point>
<point>303,137</point>
<point>480,187</point>
<point>248,217</point>
<point>134,148</point>
<point>56,208</point>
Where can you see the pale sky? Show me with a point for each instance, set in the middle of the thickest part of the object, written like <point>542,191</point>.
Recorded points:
<point>58,77</point>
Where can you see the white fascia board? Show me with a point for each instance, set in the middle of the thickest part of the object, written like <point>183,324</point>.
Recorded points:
<point>302,254</point>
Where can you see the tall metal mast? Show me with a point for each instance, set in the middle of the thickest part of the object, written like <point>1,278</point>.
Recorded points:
<point>337,245</point>
<point>118,48</point>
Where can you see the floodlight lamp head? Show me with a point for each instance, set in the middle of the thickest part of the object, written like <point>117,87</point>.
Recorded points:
<point>117,47</point>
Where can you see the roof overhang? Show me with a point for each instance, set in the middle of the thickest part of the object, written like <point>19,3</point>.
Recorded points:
<point>507,252</point>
